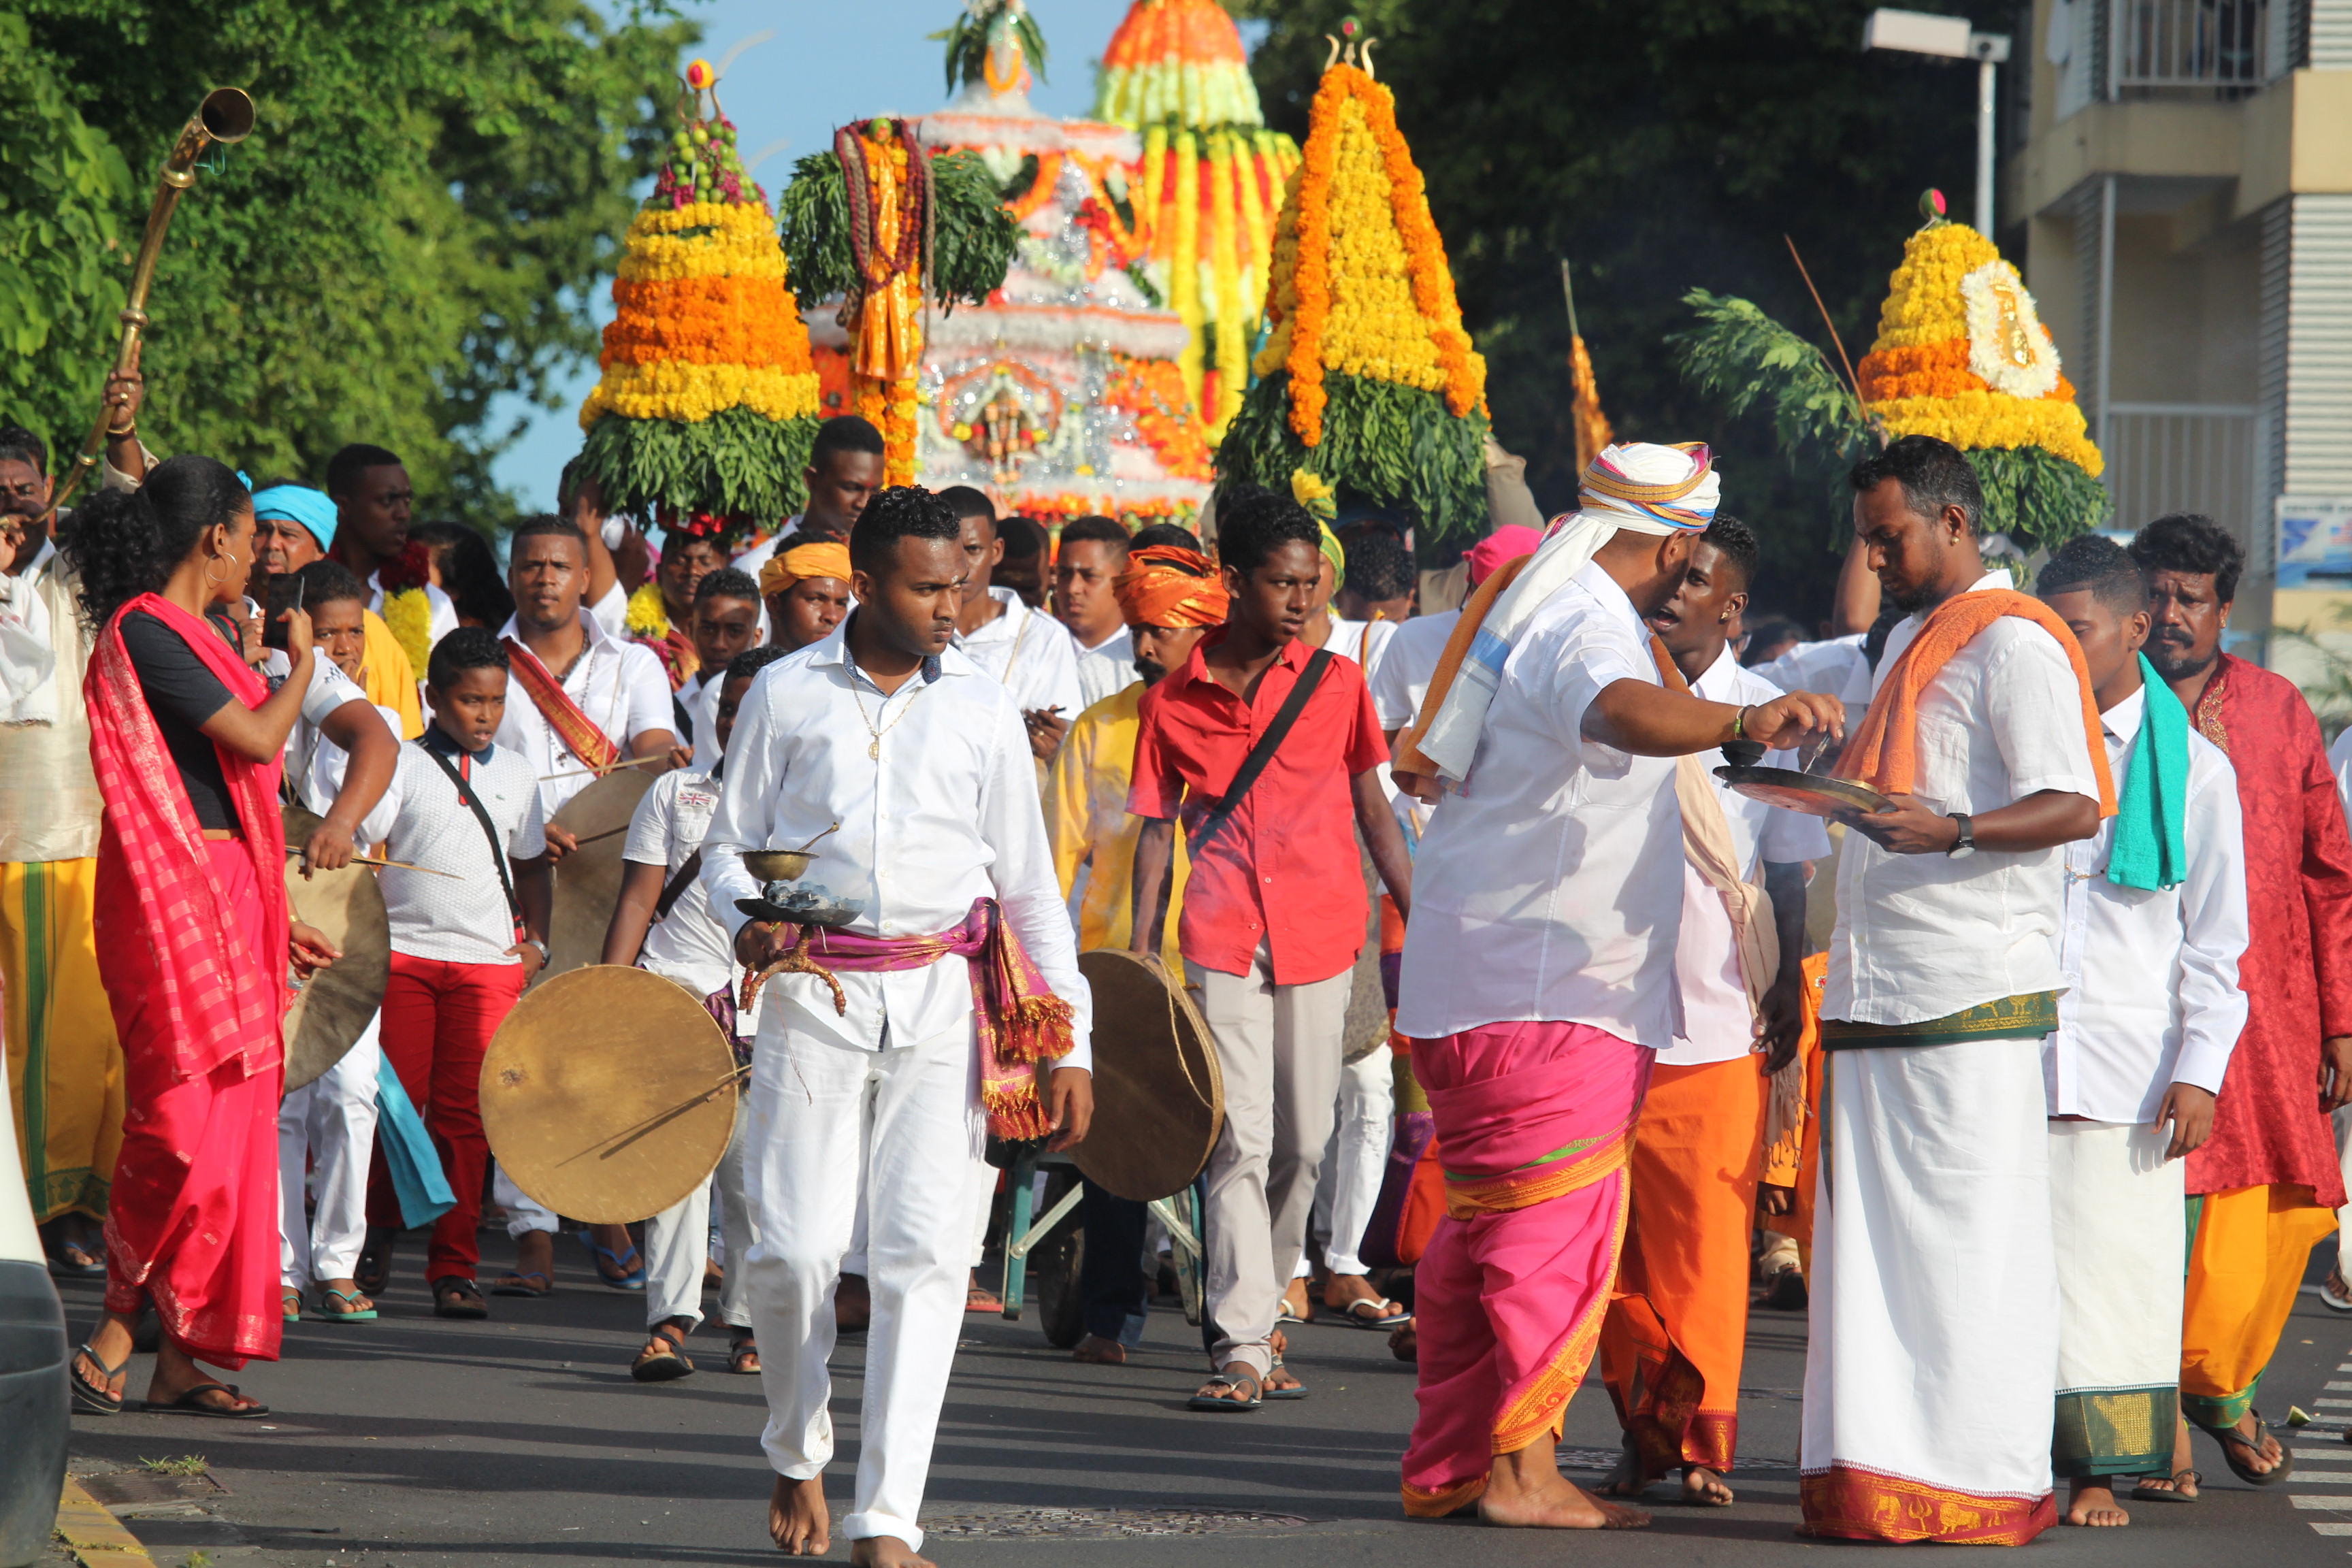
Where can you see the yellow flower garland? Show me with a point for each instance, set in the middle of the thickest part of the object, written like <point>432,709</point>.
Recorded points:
<point>648,616</point>
<point>408,616</point>
<point>1225,270</point>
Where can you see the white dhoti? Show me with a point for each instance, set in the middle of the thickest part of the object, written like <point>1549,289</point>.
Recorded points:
<point>1931,1367</point>
<point>326,1137</point>
<point>906,1118</point>
<point>2117,1216</point>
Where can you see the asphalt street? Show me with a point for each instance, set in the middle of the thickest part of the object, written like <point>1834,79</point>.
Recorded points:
<point>411,1443</point>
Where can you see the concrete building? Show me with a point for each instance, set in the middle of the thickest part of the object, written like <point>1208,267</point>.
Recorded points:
<point>2183,173</point>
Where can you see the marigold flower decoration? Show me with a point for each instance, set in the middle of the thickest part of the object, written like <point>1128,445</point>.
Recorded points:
<point>1375,381</point>
<point>708,402</point>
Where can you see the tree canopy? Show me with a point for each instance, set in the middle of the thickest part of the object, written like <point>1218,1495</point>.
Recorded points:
<point>1659,147</point>
<point>432,193</point>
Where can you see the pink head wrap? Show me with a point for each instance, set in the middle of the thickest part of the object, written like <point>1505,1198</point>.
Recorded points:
<point>1505,545</point>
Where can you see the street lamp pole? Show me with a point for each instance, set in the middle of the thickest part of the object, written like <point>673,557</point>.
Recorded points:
<point>1951,37</point>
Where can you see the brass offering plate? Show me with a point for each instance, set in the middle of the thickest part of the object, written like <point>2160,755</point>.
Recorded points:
<point>1815,795</point>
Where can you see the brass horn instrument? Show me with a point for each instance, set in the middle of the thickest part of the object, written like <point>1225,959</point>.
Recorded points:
<point>225,115</point>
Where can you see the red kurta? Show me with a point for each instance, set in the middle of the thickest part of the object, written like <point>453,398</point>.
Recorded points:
<point>2297,971</point>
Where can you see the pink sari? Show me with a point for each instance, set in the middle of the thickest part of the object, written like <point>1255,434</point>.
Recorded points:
<point>193,944</point>
<point>1534,1122</point>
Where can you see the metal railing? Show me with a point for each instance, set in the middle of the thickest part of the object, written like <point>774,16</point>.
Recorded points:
<point>2181,457</point>
<point>2226,44</point>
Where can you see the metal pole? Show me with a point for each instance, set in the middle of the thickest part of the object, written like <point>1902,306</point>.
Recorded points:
<point>1985,69</point>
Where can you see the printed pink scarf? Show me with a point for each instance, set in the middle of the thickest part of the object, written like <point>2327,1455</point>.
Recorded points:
<point>225,1001</point>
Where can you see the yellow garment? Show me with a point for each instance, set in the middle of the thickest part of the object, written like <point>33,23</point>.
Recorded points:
<point>2247,1253</point>
<point>65,1068</point>
<point>1088,825</point>
<point>388,678</point>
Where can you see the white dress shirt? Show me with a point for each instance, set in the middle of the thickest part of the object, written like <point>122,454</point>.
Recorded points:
<point>2151,974</point>
<point>2339,757</point>
<point>688,944</point>
<point>463,917</point>
<point>1837,667</point>
<point>1550,888</point>
<point>618,684</point>
<point>324,780</point>
<point>947,814</point>
<point>1033,654</point>
<point>1399,678</point>
<point>1923,936</point>
<point>438,606</point>
<point>1718,1022</point>
<point>1106,669</point>
<point>699,697</point>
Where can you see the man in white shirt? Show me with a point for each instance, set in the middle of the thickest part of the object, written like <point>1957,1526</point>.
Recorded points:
<point>1025,649</point>
<point>1539,973</point>
<point>465,941</point>
<point>373,499</point>
<point>915,767</point>
<point>2154,927</point>
<point>663,922</point>
<point>844,470</point>
<point>1094,552</point>
<point>339,766</point>
<point>578,698</point>
<point>724,622</point>
<point>1943,979</point>
<point>1672,1346</point>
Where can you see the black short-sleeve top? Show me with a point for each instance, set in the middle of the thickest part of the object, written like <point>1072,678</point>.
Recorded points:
<point>182,694</point>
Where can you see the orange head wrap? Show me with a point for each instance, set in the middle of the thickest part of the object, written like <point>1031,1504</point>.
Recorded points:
<point>1168,586</point>
<point>829,559</point>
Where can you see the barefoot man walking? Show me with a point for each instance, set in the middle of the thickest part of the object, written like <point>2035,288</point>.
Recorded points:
<point>1539,967</point>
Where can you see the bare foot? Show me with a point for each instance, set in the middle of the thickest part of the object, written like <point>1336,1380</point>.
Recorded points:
<point>1525,1490</point>
<point>1099,1352</point>
<point>797,1522</point>
<point>1704,1489</point>
<point>884,1552</point>
<point>1625,1478</point>
<point>2093,1501</point>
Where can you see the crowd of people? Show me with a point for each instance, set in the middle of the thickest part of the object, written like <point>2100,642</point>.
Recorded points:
<point>2057,992</point>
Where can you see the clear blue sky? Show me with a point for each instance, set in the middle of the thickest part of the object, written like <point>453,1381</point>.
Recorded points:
<point>827,64</point>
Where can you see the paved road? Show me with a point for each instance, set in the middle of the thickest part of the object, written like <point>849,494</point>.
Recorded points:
<point>412,1443</point>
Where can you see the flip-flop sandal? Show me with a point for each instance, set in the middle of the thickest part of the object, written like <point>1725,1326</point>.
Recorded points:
<point>665,1365</point>
<point>91,1400</point>
<point>289,1304</point>
<point>628,1279</point>
<point>1296,1390</point>
<point>456,1298</point>
<point>742,1351</point>
<point>1204,1400</point>
<point>518,1284</point>
<point>2143,1492</point>
<point>351,1312</point>
<point>980,1298</point>
<point>192,1403</point>
<point>72,1260</point>
<point>2231,1440</point>
<point>1354,1312</point>
<point>374,1269</point>
<point>2335,1294</point>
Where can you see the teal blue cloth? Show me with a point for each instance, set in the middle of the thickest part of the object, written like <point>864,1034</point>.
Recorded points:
<point>298,503</point>
<point>2151,847</point>
<point>408,1154</point>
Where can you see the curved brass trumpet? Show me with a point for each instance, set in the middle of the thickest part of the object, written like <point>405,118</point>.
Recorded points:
<point>225,115</point>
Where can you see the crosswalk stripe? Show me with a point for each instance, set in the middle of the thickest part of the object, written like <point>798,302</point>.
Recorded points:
<point>2302,1500</point>
<point>2333,1529</point>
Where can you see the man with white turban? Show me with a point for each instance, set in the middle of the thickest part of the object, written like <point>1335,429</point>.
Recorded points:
<point>1540,966</point>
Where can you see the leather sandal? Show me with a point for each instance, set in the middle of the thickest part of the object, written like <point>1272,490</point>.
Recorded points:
<point>667,1363</point>
<point>455,1296</point>
<point>743,1354</point>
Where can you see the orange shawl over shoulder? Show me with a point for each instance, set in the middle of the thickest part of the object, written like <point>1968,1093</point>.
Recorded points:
<point>1881,752</point>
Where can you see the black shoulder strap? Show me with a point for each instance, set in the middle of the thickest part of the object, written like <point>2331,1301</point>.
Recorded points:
<point>1263,753</point>
<point>685,719</point>
<point>675,888</point>
<point>489,831</point>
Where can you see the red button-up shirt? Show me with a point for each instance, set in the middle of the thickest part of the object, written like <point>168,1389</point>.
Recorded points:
<point>1283,869</point>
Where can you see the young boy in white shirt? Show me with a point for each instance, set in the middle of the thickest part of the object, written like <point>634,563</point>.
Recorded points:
<point>663,922</point>
<point>465,943</point>
<point>2155,921</point>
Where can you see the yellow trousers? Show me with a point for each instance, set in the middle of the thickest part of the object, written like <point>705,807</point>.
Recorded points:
<point>65,1068</point>
<point>2248,1248</point>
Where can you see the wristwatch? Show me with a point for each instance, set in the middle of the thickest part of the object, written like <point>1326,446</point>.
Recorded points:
<point>532,942</point>
<point>1966,843</point>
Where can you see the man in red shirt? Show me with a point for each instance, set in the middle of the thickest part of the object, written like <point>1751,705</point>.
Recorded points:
<point>1273,910</point>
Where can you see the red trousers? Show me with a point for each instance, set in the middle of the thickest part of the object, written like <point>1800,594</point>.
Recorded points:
<point>438,1018</point>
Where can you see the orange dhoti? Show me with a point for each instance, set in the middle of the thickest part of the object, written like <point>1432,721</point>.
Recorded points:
<point>2247,1251</point>
<point>1671,1347</point>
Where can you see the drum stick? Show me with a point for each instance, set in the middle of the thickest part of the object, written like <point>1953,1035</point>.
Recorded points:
<point>606,1148</point>
<point>607,768</point>
<point>396,865</point>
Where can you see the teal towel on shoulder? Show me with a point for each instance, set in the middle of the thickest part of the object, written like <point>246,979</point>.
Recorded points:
<point>409,1156</point>
<point>2151,848</point>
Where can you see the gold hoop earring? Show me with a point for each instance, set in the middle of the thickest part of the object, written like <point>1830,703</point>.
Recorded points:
<point>211,581</point>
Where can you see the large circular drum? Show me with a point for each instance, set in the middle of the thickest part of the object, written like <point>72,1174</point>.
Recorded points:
<point>609,1094</point>
<point>332,1010</point>
<point>1160,1099</point>
<point>588,880</point>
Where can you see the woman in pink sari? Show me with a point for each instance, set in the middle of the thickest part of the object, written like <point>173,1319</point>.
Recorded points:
<point>193,940</point>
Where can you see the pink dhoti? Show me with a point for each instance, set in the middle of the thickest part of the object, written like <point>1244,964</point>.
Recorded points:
<point>1534,1122</point>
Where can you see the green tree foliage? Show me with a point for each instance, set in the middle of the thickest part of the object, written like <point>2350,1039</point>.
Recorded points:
<point>1660,146</point>
<point>433,193</point>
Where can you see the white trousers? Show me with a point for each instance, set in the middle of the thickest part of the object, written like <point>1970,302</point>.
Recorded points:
<point>1349,1186</point>
<point>908,1118</point>
<point>328,1126</point>
<point>678,1246</point>
<point>1279,1051</point>
<point>525,1214</point>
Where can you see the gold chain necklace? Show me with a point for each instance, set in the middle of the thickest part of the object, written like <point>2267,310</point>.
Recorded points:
<point>874,747</point>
